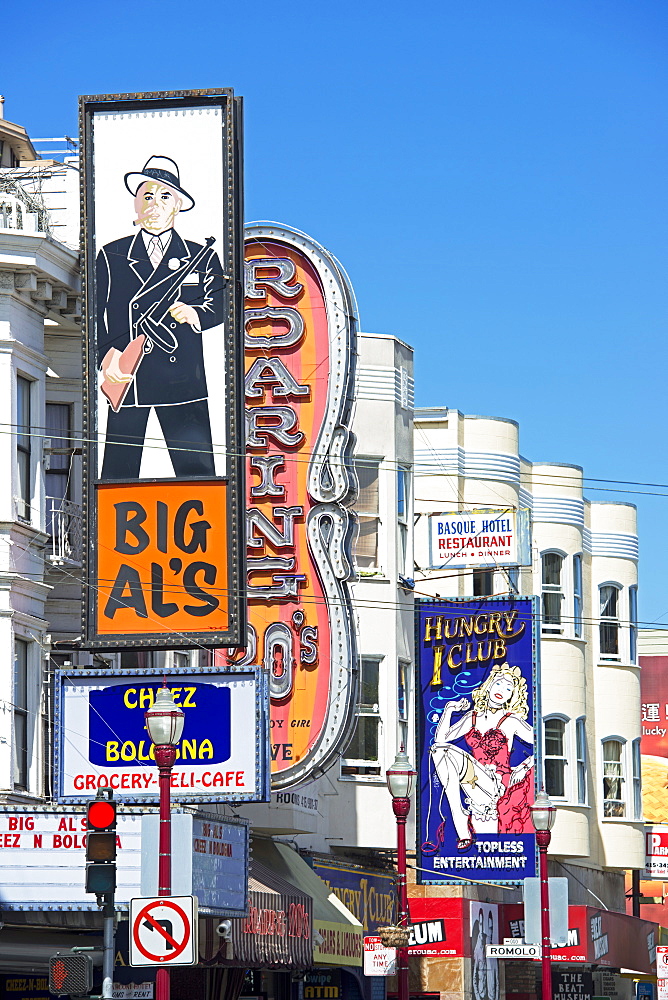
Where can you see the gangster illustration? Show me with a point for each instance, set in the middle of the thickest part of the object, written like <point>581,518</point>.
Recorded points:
<point>156,294</point>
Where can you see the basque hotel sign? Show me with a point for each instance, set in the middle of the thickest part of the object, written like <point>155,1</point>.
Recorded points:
<point>300,351</point>
<point>489,537</point>
<point>477,719</point>
<point>163,432</point>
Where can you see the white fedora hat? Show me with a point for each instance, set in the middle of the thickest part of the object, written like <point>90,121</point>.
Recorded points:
<point>163,170</point>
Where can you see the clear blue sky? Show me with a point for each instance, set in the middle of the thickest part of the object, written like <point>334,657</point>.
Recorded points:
<point>491,173</point>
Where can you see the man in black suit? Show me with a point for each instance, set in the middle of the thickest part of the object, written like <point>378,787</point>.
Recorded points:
<point>169,289</point>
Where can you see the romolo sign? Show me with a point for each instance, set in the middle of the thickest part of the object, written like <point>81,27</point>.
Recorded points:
<point>299,379</point>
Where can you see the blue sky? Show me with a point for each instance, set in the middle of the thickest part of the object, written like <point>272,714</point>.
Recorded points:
<point>491,174</point>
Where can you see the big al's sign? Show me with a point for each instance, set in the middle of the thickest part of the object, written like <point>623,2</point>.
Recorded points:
<point>299,377</point>
<point>163,418</point>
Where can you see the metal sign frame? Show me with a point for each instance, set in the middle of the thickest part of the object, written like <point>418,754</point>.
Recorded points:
<point>119,677</point>
<point>230,625</point>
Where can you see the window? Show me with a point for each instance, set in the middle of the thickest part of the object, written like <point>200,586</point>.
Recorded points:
<point>403,674</point>
<point>577,596</point>
<point>361,756</point>
<point>23,421</point>
<point>552,593</point>
<point>58,431</point>
<point>581,753</point>
<point>555,757</point>
<point>135,659</point>
<point>637,789</point>
<point>633,624</point>
<point>57,472</point>
<point>614,804</point>
<point>483,582</point>
<point>403,487</point>
<point>366,544</point>
<point>402,683</point>
<point>609,624</point>
<point>21,648</point>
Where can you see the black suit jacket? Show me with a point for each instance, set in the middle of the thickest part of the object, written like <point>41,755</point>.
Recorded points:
<point>127,285</point>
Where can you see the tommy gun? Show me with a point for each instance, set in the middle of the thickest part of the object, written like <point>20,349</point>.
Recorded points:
<point>153,322</point>
<point>151,325</point>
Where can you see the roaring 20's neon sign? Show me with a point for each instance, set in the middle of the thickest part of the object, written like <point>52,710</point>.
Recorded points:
<point>299,345</point>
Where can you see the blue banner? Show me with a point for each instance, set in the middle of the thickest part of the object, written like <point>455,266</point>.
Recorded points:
<point>476,665</point>
<point>370,896</point>
<point>117,730</point>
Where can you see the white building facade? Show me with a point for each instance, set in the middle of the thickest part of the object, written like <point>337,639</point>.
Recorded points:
<point>583,565</point>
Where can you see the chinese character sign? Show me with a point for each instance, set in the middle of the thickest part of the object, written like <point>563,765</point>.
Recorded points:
<point>654,739</point>
<point>477,663</point>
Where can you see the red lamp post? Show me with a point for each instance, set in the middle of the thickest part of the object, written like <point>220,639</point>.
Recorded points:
<point>543,815</point>
<point>164,722</point>
<point>400,780</point>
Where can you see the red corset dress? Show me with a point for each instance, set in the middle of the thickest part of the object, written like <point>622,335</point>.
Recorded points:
<point>492,748</point>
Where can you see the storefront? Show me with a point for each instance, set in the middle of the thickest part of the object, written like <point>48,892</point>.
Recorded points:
<point>299,942</point>
<point>606,952</point>
<point>370,895</point>
<point>607,955</point>
<point>267,952</point>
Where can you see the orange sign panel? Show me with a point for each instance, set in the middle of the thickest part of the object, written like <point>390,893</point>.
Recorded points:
<point>162,558</point>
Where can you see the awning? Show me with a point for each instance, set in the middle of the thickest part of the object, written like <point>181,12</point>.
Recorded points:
<point>337,934</point>
<point>600,938</point>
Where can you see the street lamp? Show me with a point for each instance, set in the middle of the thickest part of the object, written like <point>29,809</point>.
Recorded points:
<point>543,814</point>
<point>164,721</point>
<point>400,780</point>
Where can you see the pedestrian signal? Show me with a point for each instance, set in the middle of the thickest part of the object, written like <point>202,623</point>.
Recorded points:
<point>70,975</point>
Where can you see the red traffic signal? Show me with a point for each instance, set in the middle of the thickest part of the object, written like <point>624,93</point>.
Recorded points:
<point>101,844</point>
<point>101,814</point>
<point>70,975</point>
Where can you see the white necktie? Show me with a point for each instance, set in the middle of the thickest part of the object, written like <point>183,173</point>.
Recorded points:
<point>155,252</point>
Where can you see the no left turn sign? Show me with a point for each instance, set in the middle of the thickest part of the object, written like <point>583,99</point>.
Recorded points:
<point>163,931</point>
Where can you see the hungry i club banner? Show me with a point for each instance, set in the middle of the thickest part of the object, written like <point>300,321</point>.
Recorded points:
<point>476,661</point>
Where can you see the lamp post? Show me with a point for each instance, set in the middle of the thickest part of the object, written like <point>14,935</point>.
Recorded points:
<point>164,721</point>
<point>543,814</point>
<point>400,780</point>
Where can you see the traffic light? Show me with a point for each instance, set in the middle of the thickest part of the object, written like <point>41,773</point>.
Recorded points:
<point>101,843</point>
<point>70,975</point>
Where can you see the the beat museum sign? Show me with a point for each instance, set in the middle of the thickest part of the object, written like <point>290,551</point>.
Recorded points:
<point>299,375</point>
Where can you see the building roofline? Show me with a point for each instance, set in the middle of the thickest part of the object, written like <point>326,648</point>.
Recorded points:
<point>441,413</point>
<point>386,336</point>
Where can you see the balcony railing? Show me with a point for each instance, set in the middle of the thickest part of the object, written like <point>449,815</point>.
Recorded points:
<point>63,524</point>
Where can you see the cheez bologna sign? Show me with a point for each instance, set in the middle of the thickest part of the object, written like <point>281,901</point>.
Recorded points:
<point>104,742</point>
<point>163,415</point>
<point>300,350</point>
